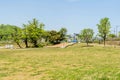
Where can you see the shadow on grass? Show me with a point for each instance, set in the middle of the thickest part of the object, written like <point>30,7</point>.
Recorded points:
<point>87,46</point>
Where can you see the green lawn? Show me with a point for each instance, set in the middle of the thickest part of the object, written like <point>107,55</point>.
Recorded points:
<point>72,63</point>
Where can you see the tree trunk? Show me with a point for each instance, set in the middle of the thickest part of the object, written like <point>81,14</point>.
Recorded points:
<point>35,43</point>
<point>104,42</point>
<point>26,43</point>
<point>19,45</point>
<point>87,42</point>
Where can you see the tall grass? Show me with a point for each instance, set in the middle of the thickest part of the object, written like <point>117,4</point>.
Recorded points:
<point>71,63</point>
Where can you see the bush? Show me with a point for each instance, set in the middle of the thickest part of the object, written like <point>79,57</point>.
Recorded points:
<point>42,44</point>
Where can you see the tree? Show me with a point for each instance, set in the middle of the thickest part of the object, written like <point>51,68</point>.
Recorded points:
<point>86,35</point>
<point>17,35</point>
<point>63,33</point>
<point>54,37</point>
<point>25,35</point>
<point>46,36</point>
<point>104,28</point>
<point>35,30</point>
<point>111,36</point>
<point>6,32</point>
<point>11,33</point>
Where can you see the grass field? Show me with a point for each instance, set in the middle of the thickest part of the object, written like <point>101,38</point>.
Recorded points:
<point>71,63</point>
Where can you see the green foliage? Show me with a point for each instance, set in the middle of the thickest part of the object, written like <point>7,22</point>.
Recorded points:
<point>63,33</point>
<point>6,32</point>
<point>46,36</point>
<point>17,36</point>
<point>54,37</point>
<point>104,28</point>
<point>33,31</point>
<point>111,36</point>
<point>25,35</point>
<point>86,35</point>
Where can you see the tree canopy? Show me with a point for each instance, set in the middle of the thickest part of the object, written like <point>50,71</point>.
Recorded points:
<point>33,34</point>
<point>86,35</point>
<point>104,28</point>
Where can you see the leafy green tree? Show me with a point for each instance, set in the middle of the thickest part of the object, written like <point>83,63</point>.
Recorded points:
<point>11,33</point>
<point>63,33</point>
<point>112,36</point>
<point>35,30</point>
<point>86,35</point>
<point>54,37</point>
<point>25,35</point>
<point>6,32</point>
<point>17,36</point>
<point>104,28</point>
<point>46,36</point>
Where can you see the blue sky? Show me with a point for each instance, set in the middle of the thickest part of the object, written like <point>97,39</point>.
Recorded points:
<point>75,15</point>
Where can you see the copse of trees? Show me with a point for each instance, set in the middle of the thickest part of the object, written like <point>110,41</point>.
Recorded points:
<point>31,33</point>
<point>56,37</point>
<point>6,32</point>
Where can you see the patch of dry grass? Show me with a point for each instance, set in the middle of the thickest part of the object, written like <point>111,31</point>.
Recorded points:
<point>71,63</point>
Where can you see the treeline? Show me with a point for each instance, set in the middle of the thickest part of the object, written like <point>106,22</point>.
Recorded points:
<point>33,34</point>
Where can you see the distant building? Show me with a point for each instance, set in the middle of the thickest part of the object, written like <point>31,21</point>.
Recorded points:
<point>73,38</point>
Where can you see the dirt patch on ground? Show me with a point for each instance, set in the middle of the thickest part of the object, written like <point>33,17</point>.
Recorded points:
<point>61,45</point>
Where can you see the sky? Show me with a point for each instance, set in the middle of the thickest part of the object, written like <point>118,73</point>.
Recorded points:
<point>74,15</point>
